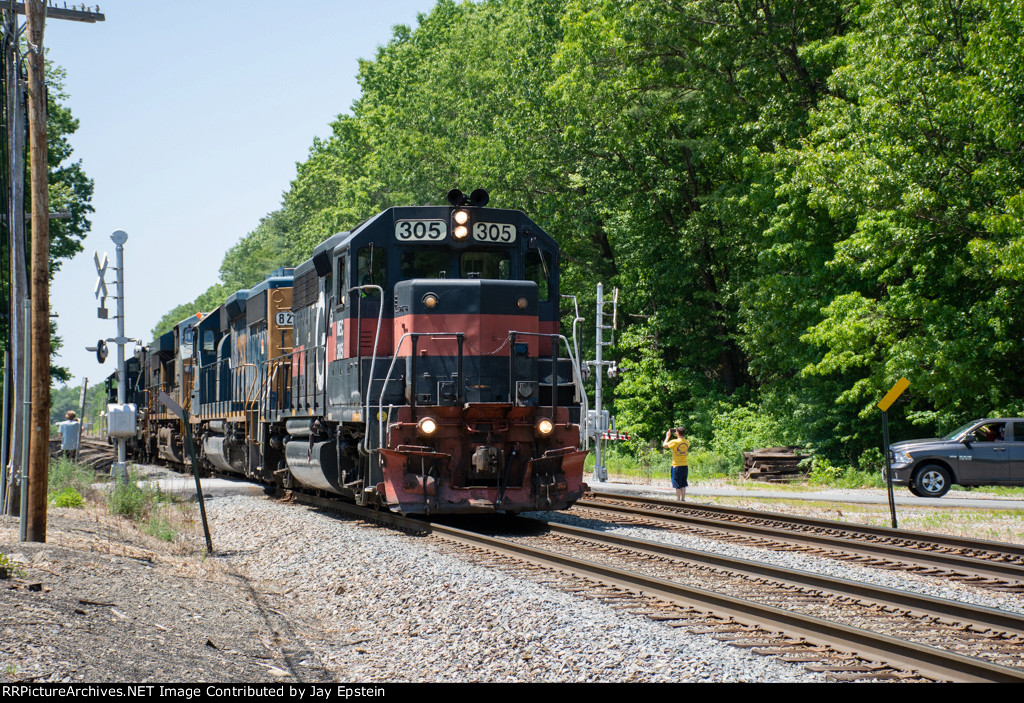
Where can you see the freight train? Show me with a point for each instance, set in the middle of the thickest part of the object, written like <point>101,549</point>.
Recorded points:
<point>414,363</point>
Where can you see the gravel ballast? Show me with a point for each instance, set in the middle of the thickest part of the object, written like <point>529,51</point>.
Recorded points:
<point>295,593</point>
<point>895,579</point>
<point>400,608</point>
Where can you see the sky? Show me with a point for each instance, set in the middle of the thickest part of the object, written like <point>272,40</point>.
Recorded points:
<point>193,116</point>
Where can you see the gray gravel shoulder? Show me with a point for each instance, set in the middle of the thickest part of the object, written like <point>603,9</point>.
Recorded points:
<point>400,608</point>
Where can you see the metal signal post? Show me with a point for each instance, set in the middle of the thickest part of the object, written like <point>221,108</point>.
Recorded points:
<point>120,467</point>
<point>600,416</point>
<point>884,404</point>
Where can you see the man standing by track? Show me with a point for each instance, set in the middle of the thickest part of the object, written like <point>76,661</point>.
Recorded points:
<point>680,447</point>
<point>69,431</point>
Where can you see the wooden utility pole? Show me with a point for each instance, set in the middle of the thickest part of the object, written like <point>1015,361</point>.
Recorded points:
<point>39,422</point>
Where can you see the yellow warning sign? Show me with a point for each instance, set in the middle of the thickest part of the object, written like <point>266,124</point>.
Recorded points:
<point>894,393</point>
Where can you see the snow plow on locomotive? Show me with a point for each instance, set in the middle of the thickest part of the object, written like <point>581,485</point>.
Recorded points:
<point>414,363</point>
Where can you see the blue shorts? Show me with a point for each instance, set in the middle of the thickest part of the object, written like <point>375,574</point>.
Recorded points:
<point>679,476</point>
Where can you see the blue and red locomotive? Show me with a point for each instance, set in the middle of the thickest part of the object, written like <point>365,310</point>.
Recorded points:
<point>413,363</point>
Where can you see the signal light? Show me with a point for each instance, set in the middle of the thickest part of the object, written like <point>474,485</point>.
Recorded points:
<point>100,349</point>
<point>479,198</point>
<point>461,232</point>
<point>461,217</point>
<point>544,427</point>
<point>426,427</point>
<point>430,301</point>
<point>522,303</point>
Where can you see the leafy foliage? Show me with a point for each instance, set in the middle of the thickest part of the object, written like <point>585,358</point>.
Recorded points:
<point>799,202</point>
<point>70,191</point>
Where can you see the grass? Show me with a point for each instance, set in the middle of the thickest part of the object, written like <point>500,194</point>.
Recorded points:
<point>847,477</point>
<point>650,464</point>
<point>68,483</point>
<point>161,526</point>
<point>157,514</point>
<point>706,465</point>
<point>9,567</point>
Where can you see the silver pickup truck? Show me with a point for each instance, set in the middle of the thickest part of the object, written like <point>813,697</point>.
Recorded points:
<point>981,453</point>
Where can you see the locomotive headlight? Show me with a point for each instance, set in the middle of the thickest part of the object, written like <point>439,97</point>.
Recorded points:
<point>461,232</point>
<point>544,427</point>
<point>430,301</point>
<point>461,217</point>
<point>426,427</point>
<point>522,303</point>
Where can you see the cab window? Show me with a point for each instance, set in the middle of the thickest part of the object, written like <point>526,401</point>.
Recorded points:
<point>538,270</point>
<point>372,268</point>
<point>343,285</point>
<point>432,263</point>
<point>485,264</point>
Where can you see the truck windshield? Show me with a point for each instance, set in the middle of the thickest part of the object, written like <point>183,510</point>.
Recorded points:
<point>960,430</point>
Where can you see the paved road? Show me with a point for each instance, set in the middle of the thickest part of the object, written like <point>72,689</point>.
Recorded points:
<point>953,499</point>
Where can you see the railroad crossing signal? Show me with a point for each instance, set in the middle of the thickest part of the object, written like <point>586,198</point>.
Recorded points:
<point>100,289</point>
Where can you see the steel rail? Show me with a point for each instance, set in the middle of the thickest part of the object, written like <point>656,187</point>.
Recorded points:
<point>984,617</point>
<point>363,513</point>
<point>927,660</point>
<point>953,542</point>
<point>980,567</point>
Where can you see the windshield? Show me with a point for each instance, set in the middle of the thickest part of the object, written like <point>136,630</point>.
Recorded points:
<point>960,430</point>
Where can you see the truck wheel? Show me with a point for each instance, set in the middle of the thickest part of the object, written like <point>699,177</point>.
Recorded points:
<point>932,481</point>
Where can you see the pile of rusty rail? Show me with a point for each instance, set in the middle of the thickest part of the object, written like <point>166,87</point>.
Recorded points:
<point>775,464</point>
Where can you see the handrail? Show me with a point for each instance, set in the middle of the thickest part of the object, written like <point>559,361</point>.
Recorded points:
<point>373,361</point>
<point>584,424</point>
<point>577,376</point>
<point>384,386</point>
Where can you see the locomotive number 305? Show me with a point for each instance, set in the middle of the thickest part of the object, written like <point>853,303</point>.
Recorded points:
<point>421,230</point>
<point>494,232</point>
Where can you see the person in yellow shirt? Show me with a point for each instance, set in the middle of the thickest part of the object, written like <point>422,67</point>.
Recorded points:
<point>680,447</point>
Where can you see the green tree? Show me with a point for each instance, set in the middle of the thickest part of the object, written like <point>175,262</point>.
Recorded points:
<point>918,148</point>
<point>677,113</point>
<point>70,191</point>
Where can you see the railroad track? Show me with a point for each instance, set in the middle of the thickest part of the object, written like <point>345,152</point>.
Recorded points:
<point>92,451</point>
<point>992,565</point>
<point>770,611</point>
